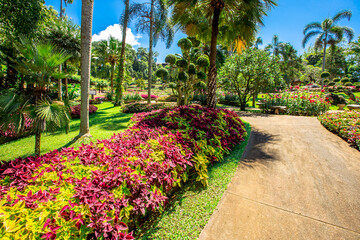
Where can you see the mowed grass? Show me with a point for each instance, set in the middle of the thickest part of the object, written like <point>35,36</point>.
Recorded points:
<point>103,124</point>
<point>193,205</point>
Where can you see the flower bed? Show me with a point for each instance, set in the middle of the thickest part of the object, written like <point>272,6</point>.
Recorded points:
<point>345,124</point>
<point>152,97</point>
<point>10,132</point>
<point>297,103</point>
<point>75,110</point>
<point>104,189</point>
<point>144,107</point>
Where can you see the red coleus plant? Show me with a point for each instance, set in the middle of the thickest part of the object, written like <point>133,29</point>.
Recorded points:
<point>102,188</point>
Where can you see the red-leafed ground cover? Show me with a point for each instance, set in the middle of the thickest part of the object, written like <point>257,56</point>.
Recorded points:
<point>104,190</point>
<point>346,124</point>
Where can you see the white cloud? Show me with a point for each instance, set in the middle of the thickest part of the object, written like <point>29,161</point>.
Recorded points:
<point>116,32</point>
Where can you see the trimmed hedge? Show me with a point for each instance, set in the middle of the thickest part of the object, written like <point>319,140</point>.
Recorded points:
<point>104,190</point>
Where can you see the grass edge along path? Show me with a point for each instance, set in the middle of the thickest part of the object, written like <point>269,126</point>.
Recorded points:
<point>193,205</point>
<point>103,124</point>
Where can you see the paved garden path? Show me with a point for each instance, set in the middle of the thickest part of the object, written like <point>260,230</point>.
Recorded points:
<point>296,181</point>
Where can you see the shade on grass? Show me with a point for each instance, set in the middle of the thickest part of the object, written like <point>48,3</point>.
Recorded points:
<point>193,205</point>
<point>103,124</point>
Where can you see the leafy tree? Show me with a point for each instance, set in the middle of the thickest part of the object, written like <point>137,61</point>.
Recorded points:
<point>153,20</point>
<point>328,33</point>
<point>19,18</point>
<point>311,73</point>
<point>336,61</point>
<point>40,62</point>
<point>86,30</point>
<point>236,20</point>
<point>249,73</point>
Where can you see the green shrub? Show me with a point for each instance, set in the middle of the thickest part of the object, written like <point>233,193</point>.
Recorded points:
<point>144,107</point>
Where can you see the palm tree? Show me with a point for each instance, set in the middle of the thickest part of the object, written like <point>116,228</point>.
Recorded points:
<point>236,20</point>
<point>274,46</point>
<point>40,62</point>
<point>258,42</point>
<point>328,33</point>
<point>108,51</point>
<point>154,21</point>
<point>65,35</point>
<point>125,19</point>
<point>86,31</point>
<point>60,67</point>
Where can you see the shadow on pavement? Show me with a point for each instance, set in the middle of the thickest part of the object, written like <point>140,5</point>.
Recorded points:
<point>256,151</point>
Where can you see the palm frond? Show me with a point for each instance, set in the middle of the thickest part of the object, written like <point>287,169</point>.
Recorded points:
<point>312,26</point>
<point>309,35</point>
<point>341,15</point>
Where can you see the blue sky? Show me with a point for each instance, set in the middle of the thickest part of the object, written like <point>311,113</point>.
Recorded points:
<point>287,20</point>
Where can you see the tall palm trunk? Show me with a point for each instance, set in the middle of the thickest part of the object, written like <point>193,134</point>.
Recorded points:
<point>323,63</point>
<point>66,82</point>
<point>37,142</point>
<point>60,67</point>
<point>86,31</point>
<point>112,77</point>
<point>211,91</point>
<point>150,50</point>
<point>119,91</point>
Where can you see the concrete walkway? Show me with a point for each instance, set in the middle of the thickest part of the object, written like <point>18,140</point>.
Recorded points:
<point>296,181</point>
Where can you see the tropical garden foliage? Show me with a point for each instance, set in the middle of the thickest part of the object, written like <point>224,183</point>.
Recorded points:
<point>105,189</point>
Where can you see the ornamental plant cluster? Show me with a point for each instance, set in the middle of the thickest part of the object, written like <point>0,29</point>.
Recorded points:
<point>75,110</point>
<point>301,102</point>
<point>345,124</point>
<point>11,131</point>
<point>104,190</point>
<point>144,107</point>
<point>152,97</point>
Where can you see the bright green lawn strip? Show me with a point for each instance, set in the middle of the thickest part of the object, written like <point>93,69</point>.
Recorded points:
<point>194,204</point>
<point>103,124</point>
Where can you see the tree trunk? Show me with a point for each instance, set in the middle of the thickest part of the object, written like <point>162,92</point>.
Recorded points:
<point>37,143</point>
<point>112,77</point>
<point>60,67</point>
<point>211,93</point>
<point>150,50</point>
<point>119,90</point>
<point>86,31</point>
<point>66,82</point>
<point>323,64</point>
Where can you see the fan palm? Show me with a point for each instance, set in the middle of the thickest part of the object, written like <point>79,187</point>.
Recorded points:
<point>154,20</point>
<point>328,33</point>
<point>274,46</point>
<point>233,23</point>
<point>40,62</point>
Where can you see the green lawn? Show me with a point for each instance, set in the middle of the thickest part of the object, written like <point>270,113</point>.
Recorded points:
<point>103,124</point>
<point>193,205</point>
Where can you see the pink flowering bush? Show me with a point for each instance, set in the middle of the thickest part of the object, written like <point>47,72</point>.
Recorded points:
<point>144,107</point>
<point>104,190</point>
<point>75,110</point>
<point>152,97</point>
<point>11,133</point>
<point>345,124</point>
<point>298,103</point>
